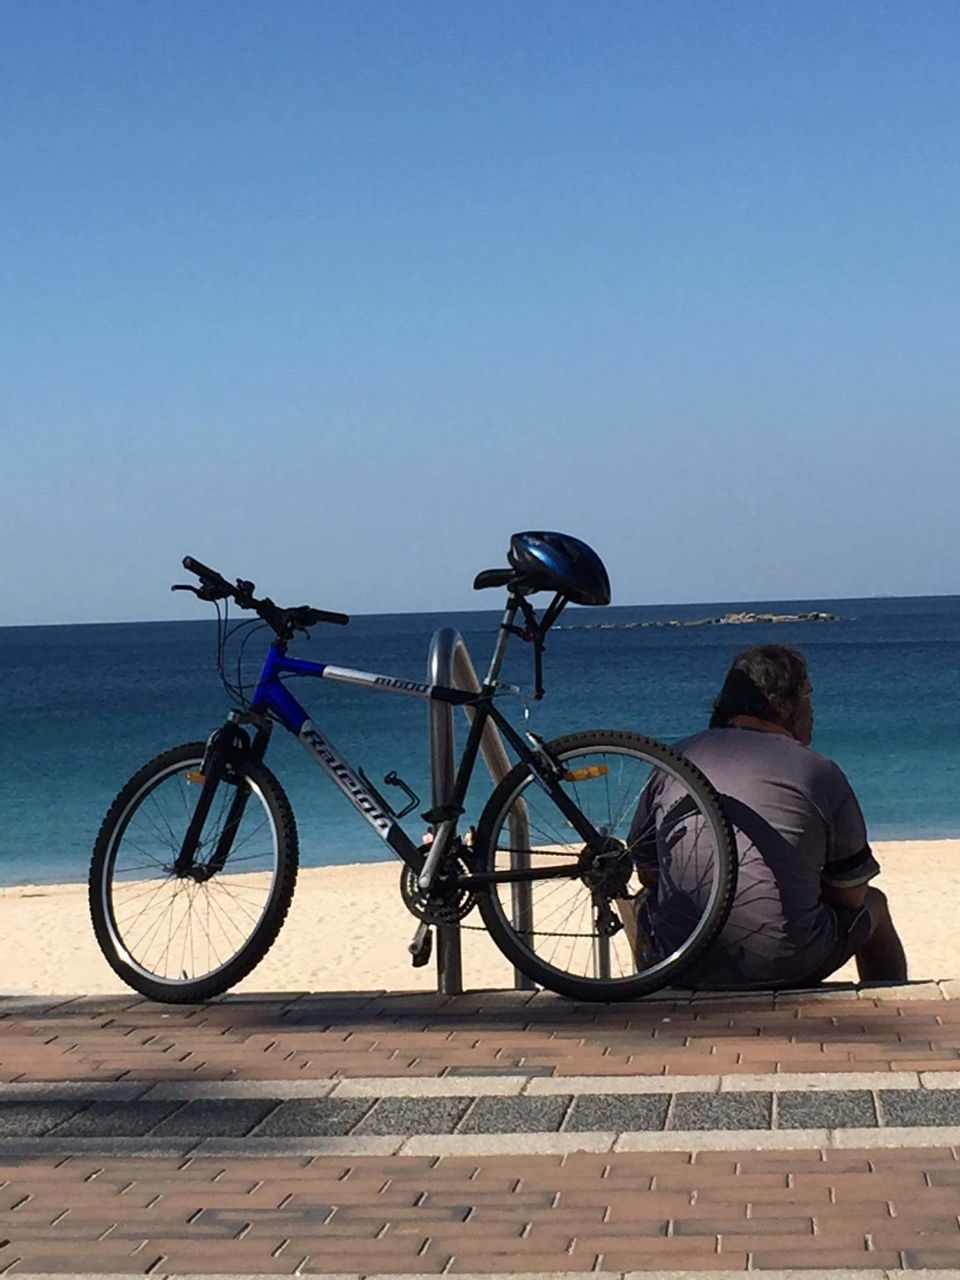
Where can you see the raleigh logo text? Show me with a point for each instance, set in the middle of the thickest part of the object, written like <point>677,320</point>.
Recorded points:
<point>342,774</point>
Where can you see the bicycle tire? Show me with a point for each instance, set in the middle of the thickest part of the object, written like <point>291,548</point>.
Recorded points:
<point>152,834</point>
<point>523,938</point>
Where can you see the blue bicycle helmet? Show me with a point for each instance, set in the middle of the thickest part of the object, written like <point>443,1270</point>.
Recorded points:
<point>558,562</point>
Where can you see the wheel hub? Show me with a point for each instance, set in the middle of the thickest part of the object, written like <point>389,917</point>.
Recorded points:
<point>606,870</point>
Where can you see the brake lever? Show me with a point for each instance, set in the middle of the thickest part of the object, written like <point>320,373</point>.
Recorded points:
<point>207,592</point>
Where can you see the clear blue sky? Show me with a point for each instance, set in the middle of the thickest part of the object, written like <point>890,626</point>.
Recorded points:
<point>338,295</point>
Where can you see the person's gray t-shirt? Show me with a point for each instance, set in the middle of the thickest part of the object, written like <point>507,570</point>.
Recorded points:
<point>798,827</point>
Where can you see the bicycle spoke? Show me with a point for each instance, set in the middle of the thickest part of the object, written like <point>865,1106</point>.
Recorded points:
<point>581,926</point>
<point>183,929</point>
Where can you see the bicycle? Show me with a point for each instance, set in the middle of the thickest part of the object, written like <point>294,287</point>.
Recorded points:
<point>195,864</point>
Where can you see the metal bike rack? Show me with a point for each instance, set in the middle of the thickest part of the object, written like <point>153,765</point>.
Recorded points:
<point>449,664</point>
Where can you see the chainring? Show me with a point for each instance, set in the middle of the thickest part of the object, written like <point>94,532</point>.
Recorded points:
<point>445,902</point>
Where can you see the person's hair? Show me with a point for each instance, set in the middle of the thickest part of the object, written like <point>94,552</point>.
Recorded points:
<point>766,681</point>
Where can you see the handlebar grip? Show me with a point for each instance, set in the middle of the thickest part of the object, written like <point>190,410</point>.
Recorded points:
<point>201,570</point>
<point>310,616</point>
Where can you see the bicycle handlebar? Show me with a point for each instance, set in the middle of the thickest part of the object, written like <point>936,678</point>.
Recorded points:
<point>283,621</point>
<point>202,571</point>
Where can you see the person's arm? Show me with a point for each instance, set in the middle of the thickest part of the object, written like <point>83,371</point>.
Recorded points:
<point>850,863</point>
<point>852,896</point>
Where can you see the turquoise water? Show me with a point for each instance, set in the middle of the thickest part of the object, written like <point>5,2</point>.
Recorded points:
<point>86,705</point>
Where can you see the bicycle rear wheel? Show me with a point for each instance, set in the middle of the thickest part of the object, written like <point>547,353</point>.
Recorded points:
<point>189,938</point>
<point>632,916</point>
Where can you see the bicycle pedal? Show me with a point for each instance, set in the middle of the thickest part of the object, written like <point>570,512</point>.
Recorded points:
<point>421,947</point>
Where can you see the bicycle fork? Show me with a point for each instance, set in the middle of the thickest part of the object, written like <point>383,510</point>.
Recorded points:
<point>226,744</point>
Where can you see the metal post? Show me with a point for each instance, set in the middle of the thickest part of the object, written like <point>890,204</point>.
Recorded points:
<point>449,664</point>
<point>601,956</point>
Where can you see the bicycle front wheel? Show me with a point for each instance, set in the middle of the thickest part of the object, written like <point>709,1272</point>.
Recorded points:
<point>189,938</point>
<point>634,911</point>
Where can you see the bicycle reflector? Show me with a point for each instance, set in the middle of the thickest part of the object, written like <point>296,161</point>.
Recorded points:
<point>587,771</point>
<point>193,775</point>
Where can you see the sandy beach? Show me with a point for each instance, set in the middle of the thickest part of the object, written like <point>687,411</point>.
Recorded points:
<point>348,930</point>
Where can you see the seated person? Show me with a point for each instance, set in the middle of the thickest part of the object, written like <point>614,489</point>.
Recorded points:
<point>803,905</point>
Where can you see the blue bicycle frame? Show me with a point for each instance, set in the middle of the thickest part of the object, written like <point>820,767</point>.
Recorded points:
<point>272,698</point>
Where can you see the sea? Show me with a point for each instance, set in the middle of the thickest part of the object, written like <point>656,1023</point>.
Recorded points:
<point>85,706</point>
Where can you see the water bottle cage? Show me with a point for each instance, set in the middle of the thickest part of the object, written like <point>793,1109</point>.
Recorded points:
<point>392,779</point>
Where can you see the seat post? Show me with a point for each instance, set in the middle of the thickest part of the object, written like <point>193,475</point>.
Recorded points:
<point>503,638</point>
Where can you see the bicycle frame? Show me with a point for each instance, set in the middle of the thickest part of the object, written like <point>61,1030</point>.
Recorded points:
<point>273,698</point>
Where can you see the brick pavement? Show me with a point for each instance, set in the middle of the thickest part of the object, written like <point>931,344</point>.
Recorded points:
<point>372,1034</point>
<point>702,1135</point>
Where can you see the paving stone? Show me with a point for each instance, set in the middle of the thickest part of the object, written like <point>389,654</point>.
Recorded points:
<point>515,1115</point>
<point>306,1118</point>
<point>208,1118</point>
<point>847,1109</point>
<point>76,1091</point>
<point>249,1149</point>
<point>116,1119</point>
<point>513,1145</point>
<point>618,1112</point>
<point>822,1081</point>
<point>688,1140</point>
<point>906,991</point>
<point>919,1107</point>
<point>498,1071</point>
<point>221,1090</point>
<point>32,1119</point>
<point>627,1084</point>
<point>720,1111</point>
<point>937,1079</point>
<point>471,1086</point>
<point>893,1136</point>
<point>414,1115</point>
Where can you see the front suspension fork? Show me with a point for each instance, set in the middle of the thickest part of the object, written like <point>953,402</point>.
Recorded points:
<point>225,746</point>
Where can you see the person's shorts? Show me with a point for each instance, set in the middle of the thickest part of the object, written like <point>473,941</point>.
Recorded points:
<point>854,926</point>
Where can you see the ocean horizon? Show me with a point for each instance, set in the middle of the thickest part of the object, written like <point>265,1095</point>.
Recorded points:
<point>89,703</point>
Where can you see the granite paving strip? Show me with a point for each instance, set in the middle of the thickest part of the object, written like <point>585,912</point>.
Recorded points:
<point>591,1112</point>
<point>515,1115</point>
<point>820,1109</point>
<point>32,1119</point>
<point>935,1106</point>
<point>64,1090</point>
<point>481,1141</point>
<point>713,1111</point>
<point>188,1090</point>
<point>264,1117</point>
<point>451,1086</point>
<point>473,1086</point>
<point>113,1120</point>
<point>235,1117</point>
<point>302,1118</point>
<point>413,1115</point>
